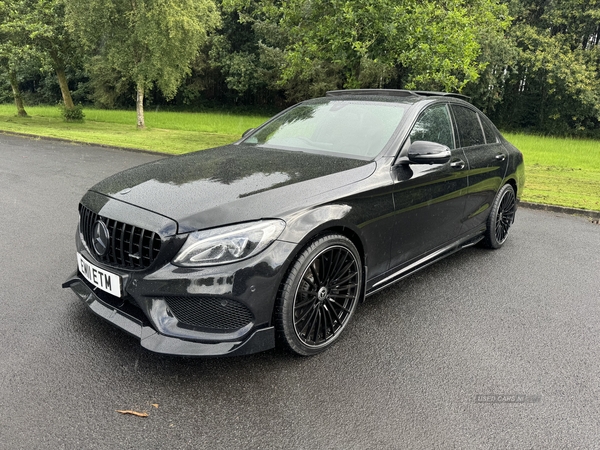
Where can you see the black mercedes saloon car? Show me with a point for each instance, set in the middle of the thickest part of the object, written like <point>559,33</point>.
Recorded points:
<point>278,237</point>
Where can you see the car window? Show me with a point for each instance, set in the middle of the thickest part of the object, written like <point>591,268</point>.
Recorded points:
<point>469,128</point>
<point>490,135</point>
<point>351,128</point>
<point>434,125</point>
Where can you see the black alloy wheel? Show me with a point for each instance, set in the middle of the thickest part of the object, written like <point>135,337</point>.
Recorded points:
<point>319,295</point>
<point>501,217</point>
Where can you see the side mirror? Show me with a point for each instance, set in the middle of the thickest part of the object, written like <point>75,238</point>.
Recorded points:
<point>247,132</point>
<point>425,152</point>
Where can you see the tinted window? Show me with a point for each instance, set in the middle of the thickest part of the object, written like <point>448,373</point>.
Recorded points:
<point>434,125</point>
<point>469,128</point>
<point>490,136</point>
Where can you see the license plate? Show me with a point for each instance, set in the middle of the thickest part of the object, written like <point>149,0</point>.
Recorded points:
<point>107,281</point>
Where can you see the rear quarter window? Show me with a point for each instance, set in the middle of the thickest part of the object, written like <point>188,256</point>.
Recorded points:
<point>488,130</point>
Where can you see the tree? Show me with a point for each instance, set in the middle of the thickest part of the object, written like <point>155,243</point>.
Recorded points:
<point>248,50</point>
<point>12,51</point>
<point>498,57</point>
<point>147,42</point>
<point>543,73</point>
<point>380,43</point>
<point>40,25</point>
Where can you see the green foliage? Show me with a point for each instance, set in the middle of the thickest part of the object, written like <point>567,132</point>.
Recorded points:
<point>379,43</point>
<point>14,53</point>
<point>543,74</point>
<point>44,23</point>
<point>109,88</point>
<point>248,50</point>
<point>531,64</point>
<point>147,42</point>
<point>74,114</point>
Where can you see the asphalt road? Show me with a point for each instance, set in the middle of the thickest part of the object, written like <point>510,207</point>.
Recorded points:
<point>523,320</point>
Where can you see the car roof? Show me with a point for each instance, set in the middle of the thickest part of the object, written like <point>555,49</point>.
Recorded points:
<point>399,93</point>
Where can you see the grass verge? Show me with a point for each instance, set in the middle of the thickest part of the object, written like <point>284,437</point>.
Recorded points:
<point>167,132</point>
<point>558,171</point>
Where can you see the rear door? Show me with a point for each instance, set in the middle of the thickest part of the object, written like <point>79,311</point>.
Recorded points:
<point>487,161</point>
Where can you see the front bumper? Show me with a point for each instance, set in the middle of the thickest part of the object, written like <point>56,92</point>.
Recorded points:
<point>132,320</point>
<point>209,311</point>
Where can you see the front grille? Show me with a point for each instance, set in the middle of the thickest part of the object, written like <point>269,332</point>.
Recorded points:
<point>210,312</point>
<point>129,247</point>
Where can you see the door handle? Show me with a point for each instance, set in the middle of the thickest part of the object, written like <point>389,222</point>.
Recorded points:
<point>500,156</point>
<point>458,164</point>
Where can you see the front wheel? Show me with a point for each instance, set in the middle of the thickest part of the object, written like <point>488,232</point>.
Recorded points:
<point>319,295</point>
<point>502,216</point>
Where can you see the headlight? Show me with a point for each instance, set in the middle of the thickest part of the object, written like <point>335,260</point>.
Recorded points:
<point>228,244</point>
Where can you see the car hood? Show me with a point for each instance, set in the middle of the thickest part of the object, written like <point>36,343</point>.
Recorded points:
<point>235,183</point>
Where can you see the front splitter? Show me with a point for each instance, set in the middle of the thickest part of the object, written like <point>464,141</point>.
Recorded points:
<point>260,340</point>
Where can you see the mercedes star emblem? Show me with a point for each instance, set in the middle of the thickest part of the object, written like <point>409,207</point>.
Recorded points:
<point>100,238</point>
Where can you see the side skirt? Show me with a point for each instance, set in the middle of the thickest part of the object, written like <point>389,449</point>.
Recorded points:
<point>395,276</point>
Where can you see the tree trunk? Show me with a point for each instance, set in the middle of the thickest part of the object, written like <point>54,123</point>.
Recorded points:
<point>64,88</point>
<point>139,106</point>
<point>17,94</point>
<point>59,66</point>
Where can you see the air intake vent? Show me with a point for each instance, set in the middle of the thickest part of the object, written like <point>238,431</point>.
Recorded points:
<point>215,313</point>
<point>129,247</point>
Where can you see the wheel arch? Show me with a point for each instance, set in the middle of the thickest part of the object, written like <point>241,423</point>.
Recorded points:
<point>513,183</point>
<point>303,228</point>
<point>332,228</point>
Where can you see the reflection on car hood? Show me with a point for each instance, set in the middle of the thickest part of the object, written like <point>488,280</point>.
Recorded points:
<point>231,184</point>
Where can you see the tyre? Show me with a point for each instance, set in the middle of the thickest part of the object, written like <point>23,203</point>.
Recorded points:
<point>319,295</point>
<point>502,216</point>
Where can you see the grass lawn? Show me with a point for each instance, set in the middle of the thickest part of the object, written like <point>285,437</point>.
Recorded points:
<point>166,132</point>
<point>558,171</point>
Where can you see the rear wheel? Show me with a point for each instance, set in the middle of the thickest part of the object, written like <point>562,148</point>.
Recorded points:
<point>319,295</point>
<point>501,217</point>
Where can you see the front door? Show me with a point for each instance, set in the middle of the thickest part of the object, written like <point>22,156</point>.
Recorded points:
<point>428,199</point>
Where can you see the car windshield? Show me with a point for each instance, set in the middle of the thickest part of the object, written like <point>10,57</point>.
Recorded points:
<point>352,128</point>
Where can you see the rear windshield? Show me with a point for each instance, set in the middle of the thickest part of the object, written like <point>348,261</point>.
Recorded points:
<point>348,127</point>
